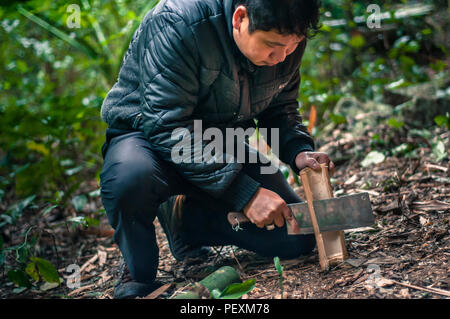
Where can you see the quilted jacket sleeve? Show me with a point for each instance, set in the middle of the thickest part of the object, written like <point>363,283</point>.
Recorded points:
<point>170,82</point>
<point>283,114</point>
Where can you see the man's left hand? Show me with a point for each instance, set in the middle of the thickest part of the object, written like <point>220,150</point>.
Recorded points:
<point>313,160</point>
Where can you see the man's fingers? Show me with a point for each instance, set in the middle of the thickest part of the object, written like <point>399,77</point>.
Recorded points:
<point>312,163</point>
<point>279,220</point>
<point>323,158</point>
<point>290,218</point>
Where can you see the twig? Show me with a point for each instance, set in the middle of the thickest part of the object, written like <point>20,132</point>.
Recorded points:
<point>87,263</point>
<point>179,290</point>
<point>76,291</point>
<point>158,292</point>
<point>237,261</point>
<point>432,290</point>
<point>218,253</point>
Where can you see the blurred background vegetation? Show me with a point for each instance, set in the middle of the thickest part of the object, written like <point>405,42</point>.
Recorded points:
<point>54,79</point>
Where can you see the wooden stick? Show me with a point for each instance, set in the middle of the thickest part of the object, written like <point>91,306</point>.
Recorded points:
<point>432,290</point>
<point>304,175</point>
<point>331,245</point>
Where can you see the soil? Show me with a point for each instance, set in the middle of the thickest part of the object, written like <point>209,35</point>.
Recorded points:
<point>405,254</point>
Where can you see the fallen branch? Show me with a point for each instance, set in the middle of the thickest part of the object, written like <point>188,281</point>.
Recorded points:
<point>158,292</point>
<point>77,291</point>
<point>427,289</point>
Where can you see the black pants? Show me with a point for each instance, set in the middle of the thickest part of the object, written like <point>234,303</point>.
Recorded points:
<point>135,182</point>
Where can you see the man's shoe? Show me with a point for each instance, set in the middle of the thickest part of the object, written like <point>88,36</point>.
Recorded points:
<point>171,225</point>
<point>128,288</point>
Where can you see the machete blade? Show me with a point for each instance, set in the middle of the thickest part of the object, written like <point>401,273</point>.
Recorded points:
<point>346,212</point>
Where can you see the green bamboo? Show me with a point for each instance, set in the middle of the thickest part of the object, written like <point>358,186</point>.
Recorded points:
<point>219,279</point>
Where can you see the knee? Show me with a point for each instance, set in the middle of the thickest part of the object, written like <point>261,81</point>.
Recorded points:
<point>128,180</point>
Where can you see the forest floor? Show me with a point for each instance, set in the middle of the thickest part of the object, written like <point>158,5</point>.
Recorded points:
<point>405,254</point>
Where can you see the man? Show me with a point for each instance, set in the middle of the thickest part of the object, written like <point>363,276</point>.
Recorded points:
<point>225,63</point>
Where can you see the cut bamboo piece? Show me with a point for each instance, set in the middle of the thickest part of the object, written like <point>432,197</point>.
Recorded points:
<point>219,279</point>
<point>331,245</point>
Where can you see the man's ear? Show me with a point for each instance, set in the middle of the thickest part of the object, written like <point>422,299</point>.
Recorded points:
<point>238,16</point>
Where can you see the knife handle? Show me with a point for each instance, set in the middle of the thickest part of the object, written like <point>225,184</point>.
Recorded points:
<point>236,219</point>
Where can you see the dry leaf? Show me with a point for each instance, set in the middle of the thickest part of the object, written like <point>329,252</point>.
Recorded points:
<point>102,256</point>
<point>384,282</point>
<point>404,293</point>
<point>423,221</point>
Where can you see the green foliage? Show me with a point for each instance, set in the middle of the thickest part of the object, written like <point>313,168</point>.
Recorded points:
<point>395,123</point>
<point>19,277</point>
<point>15,211</point>
<point>347,58</point>
<point>54,79</point>
<point>41,268</point>
<point>79,202</point>
<point>374,157</point>
<point>279,268</point>
<point>443,120</point>
<point>28,268</point>
<point>234,291</point>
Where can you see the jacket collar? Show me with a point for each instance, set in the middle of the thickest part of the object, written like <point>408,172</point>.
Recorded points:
<point>242,59</point>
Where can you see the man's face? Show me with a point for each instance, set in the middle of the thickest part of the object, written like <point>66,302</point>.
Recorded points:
<point>262,48</point>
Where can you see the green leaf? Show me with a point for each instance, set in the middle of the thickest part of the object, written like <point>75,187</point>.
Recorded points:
<point>373,157</point>
<point>7,220</point>
<point>46,270</point>
<point>439,151</point>
<point>92,221</point>
<point>278,267</point>
<point>32,271</point>
<point>95,193</point>
<point>338,118</point>
<point>393,122</point>
<point>215,294</point>
<point>18,290</point>
<point>74,170</point>
<point>48,209</point>
<point>15,210</point>
<point>402,149</point>
<point>79,202</point>
<point>357,41</point>
<point>442,120</point>
<point>78,220</point>
<point>19,277</point>
<point>235,290</point>
<point>48,285</point>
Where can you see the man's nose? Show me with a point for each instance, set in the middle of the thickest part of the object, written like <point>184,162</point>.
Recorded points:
<point>280,55</point>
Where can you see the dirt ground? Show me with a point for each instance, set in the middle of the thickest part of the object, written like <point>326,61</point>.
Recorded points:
<point>405,254</point>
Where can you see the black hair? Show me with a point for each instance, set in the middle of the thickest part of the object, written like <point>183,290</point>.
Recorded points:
<point>300,17</point>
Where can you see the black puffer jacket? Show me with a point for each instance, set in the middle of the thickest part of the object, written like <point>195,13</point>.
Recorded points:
<point>183,64</point>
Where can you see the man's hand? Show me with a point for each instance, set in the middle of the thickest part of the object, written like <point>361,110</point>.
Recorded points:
<point>313,160</point>
<point>266,208</point>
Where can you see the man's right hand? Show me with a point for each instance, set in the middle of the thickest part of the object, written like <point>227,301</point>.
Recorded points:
<point>266,208</point>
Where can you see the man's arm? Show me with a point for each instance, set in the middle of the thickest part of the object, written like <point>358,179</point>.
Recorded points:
<point>170,84</point>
